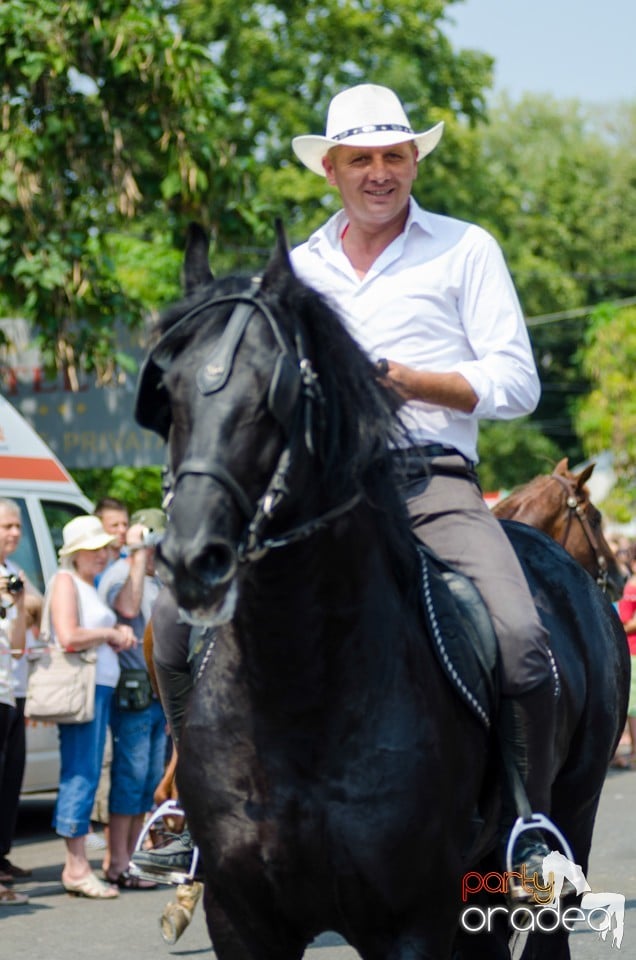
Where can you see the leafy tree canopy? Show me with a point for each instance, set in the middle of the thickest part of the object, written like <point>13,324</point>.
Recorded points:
<point>108,116</point>
<point>127,119</point>
<point>606,417</point>
<point>554,180</point>
<point>511,455</point>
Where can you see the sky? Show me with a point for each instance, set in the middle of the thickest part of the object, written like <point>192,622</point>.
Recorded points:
<point>584,49</point>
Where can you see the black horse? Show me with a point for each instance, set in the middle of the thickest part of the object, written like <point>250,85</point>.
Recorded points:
<point>332,777</point>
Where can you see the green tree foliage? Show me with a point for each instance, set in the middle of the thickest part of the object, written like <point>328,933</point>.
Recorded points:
<point>137,487</point>
<point>107,116</point>
<point>513,454</point>
<point>606,417</point>
<point>554,180</point>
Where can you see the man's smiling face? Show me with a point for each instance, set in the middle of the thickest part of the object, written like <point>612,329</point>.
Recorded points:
<point>374,182</point>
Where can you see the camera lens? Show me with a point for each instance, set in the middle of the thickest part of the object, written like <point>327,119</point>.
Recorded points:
<point>14,584</point>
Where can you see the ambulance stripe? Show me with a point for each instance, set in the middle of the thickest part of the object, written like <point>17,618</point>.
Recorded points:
<point>32,468</point>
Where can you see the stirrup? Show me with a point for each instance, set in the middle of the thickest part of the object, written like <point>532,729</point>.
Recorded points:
<point>536,821</point>
<point>174,877</point>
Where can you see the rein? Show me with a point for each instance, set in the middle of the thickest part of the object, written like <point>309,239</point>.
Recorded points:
<point>576,506</point>
<point>293,381</point>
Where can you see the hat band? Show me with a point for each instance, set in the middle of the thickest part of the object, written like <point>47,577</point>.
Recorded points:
<point>76,544</point>
<point>371,128</point>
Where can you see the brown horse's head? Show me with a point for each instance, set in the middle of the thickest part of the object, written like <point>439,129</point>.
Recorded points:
<point>559,504</point>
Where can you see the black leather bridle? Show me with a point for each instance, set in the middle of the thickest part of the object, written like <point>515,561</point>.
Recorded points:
<point>294,382</point>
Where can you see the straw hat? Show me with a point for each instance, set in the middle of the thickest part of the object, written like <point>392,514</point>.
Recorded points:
<point>364,116</point>
<point>84,533</point>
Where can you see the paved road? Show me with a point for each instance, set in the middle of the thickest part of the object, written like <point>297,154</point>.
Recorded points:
<point>55,926</point>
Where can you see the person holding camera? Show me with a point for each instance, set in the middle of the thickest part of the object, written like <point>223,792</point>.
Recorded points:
<point>129,586</point>
<point>19,596</point>
<point>13,666</point>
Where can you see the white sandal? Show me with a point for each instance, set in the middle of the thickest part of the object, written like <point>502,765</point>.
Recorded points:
<point>92,887</point>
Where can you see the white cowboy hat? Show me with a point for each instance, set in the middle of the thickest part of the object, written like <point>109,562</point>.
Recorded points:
<point>84,533</point>
<point>364,116</point>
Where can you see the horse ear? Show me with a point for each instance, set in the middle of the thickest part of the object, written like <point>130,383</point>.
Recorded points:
<point>279,268</point>
<point>562,467</point>
<point>584,476</point>
<point>196,267</point>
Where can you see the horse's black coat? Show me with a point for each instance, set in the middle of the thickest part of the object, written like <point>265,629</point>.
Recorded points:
<point>331,777</point>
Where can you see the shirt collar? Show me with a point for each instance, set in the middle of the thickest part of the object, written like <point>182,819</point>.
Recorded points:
<point>331,231</point>
<point>419,218</point>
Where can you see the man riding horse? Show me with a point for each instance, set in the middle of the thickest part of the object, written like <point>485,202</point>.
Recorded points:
<point>430,299</point>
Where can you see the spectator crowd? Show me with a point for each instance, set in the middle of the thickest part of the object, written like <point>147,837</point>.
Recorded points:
<point>100,599</point>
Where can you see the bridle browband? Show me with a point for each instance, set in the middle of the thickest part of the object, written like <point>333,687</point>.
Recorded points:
<point>294,381</point>
<point>576,505</point>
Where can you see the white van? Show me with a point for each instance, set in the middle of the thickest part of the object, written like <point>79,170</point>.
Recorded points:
<point>48,497</point>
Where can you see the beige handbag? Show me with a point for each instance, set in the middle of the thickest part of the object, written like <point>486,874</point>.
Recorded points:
<point>61,685</point>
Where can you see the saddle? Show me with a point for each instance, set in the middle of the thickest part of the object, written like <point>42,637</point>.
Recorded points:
<point>461,633</point>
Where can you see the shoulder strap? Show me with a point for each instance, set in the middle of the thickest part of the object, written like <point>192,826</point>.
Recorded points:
<point>46,626</point>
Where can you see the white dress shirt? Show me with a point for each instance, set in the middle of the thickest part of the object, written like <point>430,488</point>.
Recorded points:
<point>438,298</point>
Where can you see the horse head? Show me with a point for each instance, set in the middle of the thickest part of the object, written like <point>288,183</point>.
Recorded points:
<point>559,504</point>
<point>585,538</point>
<point>232,383</point>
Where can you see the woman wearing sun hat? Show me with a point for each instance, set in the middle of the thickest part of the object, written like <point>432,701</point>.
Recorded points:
<point>80,620</point>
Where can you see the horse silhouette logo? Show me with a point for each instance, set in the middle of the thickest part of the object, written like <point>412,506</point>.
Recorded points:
<point>609,906</point>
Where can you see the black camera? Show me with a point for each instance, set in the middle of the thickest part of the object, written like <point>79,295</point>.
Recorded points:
<point>14,584</point>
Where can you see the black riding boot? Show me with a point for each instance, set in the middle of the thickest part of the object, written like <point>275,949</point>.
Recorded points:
<point>171,862</point>
<point>527,731</point>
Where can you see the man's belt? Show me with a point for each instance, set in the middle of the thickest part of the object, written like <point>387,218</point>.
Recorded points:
<point>428,451</point>
<point>436,450</point>
<point>411,462</point>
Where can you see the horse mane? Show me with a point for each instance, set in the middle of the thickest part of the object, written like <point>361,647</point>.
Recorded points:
<point>173,319</point>
<point>523,495</point>
<point>362,418</point>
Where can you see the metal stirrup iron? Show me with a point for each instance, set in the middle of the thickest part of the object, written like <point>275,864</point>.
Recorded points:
<point>146,872</point>
<point>537,821</point>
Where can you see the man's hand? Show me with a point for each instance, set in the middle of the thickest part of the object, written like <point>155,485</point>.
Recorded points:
<point>135,537</point>
<point>450,389</point>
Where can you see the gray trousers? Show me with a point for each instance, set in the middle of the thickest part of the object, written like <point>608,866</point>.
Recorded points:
<point>448,513</point>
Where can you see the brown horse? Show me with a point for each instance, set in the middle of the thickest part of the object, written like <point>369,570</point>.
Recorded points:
<point>559,504</point>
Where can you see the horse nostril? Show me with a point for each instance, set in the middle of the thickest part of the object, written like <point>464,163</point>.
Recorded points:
<point>206,565</point>
<point>214,565</point>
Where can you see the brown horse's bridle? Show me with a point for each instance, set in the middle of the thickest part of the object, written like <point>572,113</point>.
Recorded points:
<point>576,505</point>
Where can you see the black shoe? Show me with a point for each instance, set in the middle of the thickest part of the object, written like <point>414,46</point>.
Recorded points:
<point>12,870</point>
<point>177,861</point>
<point>526,885</point>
